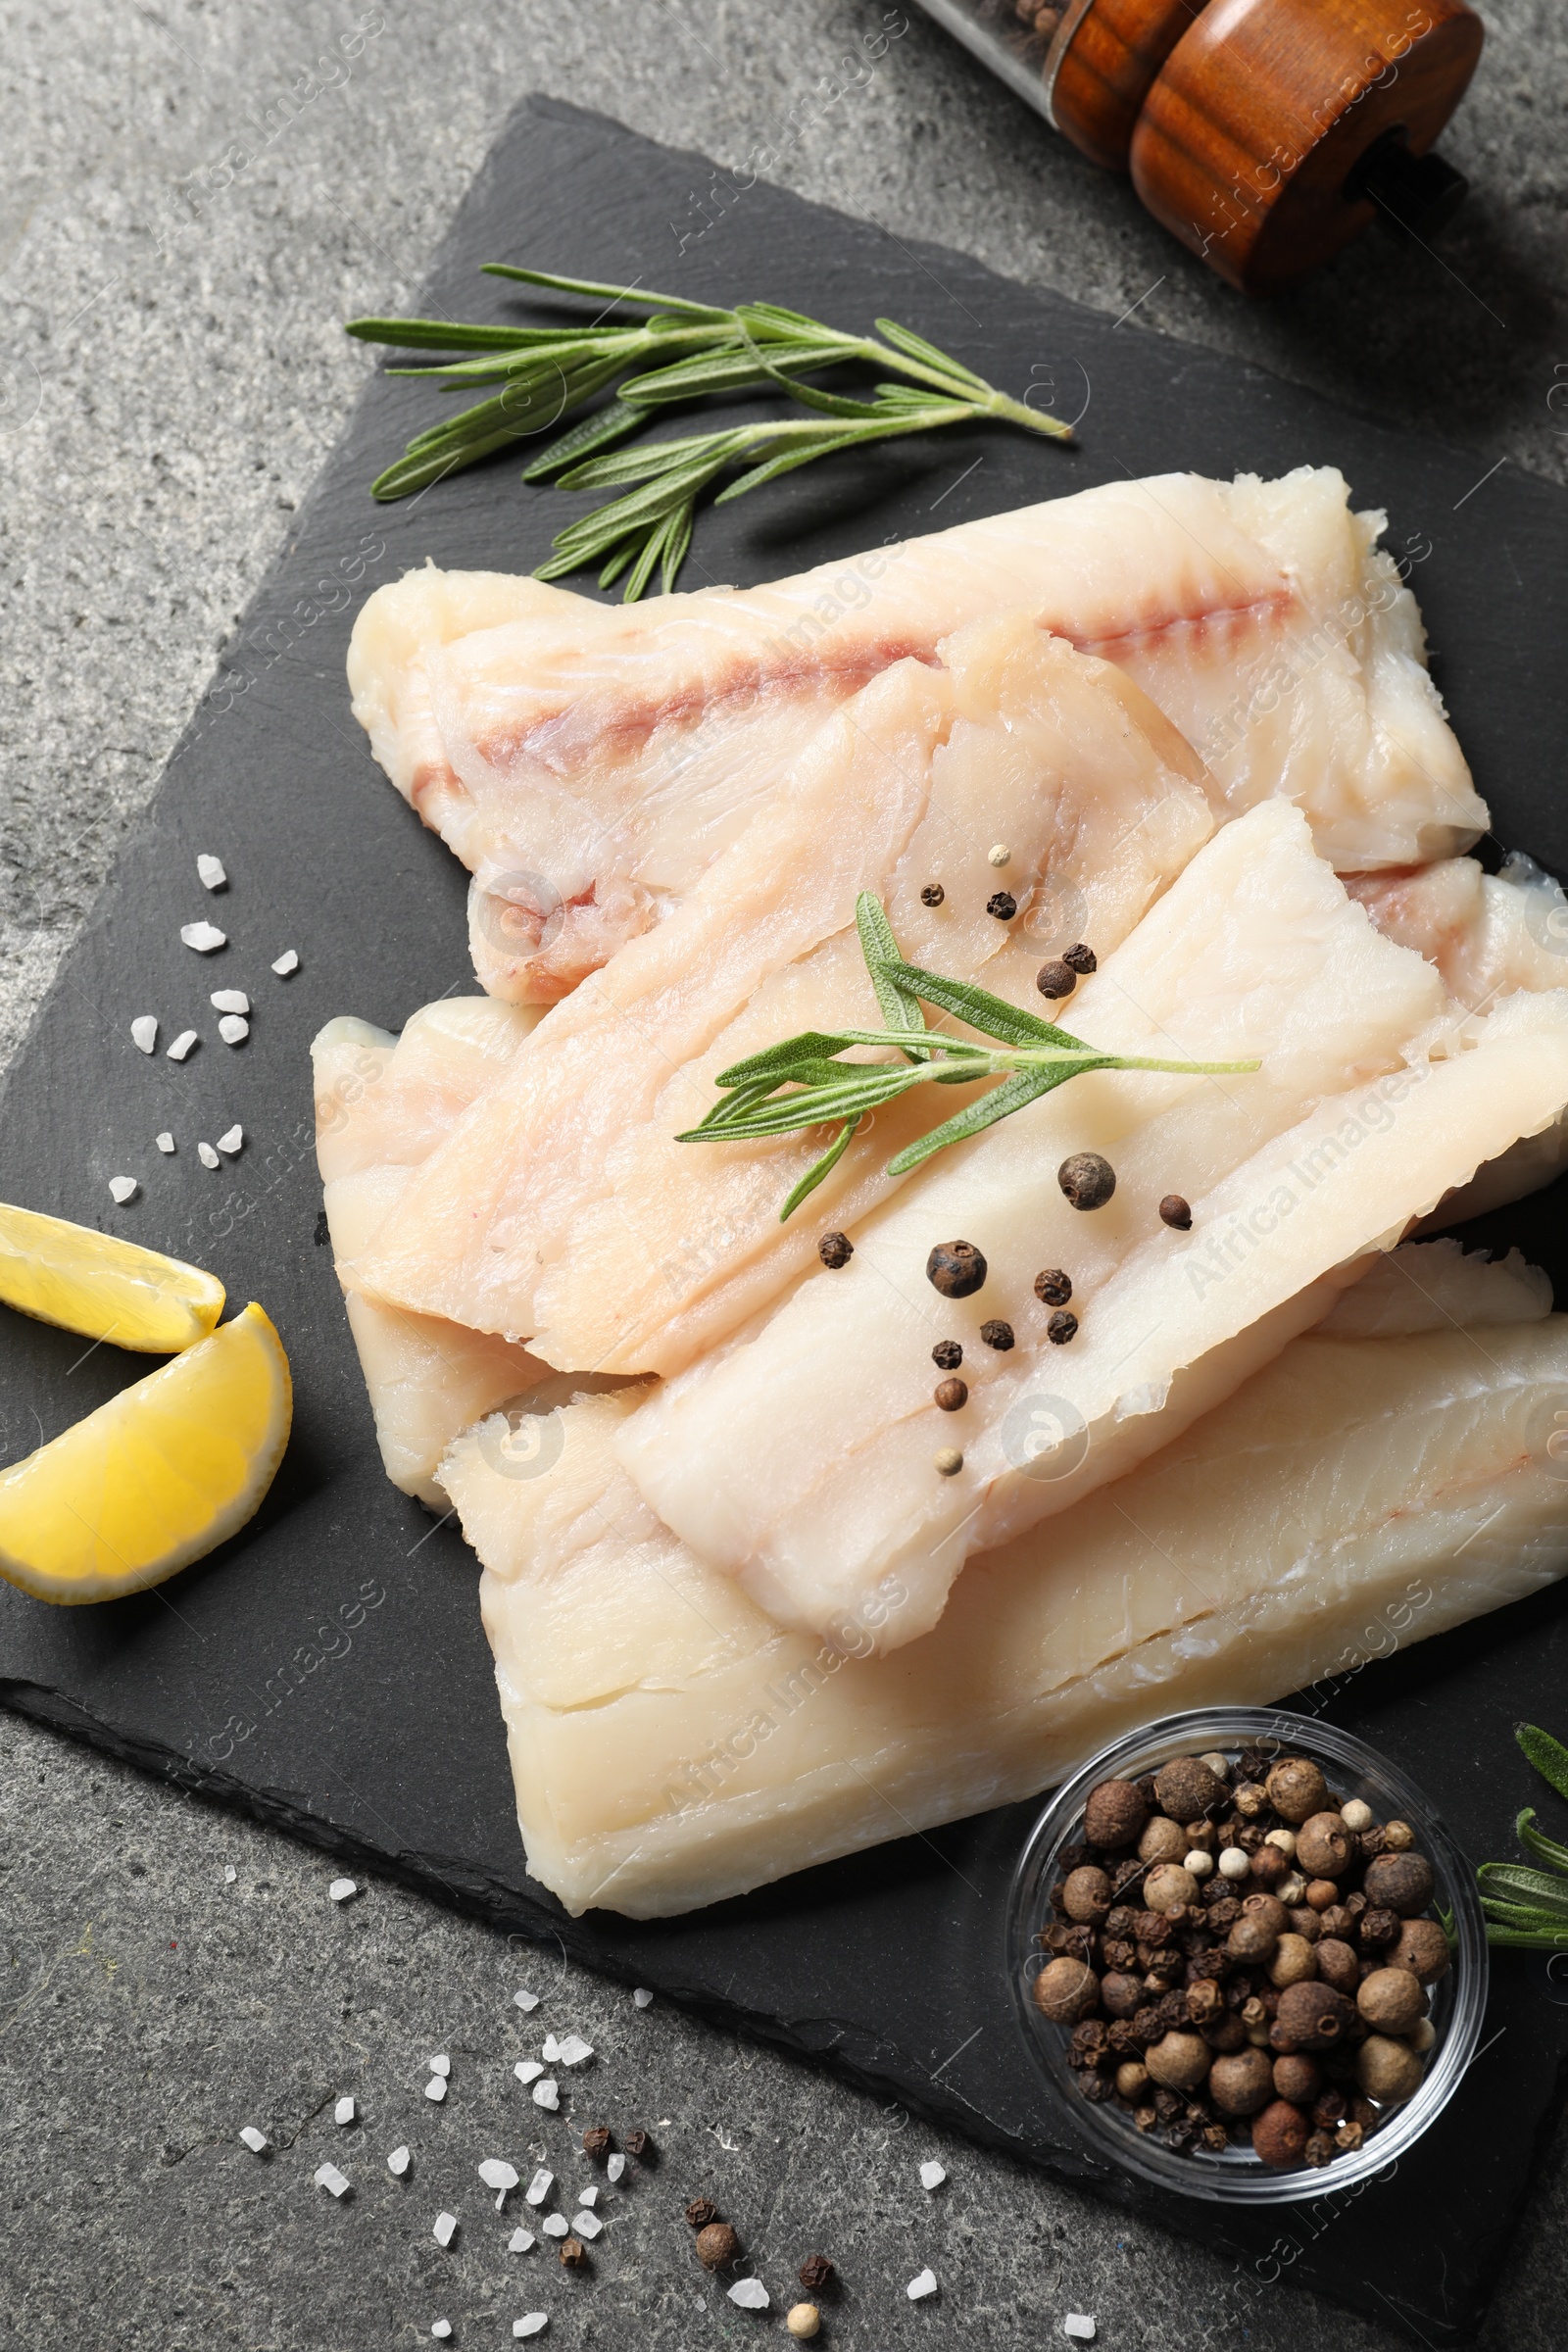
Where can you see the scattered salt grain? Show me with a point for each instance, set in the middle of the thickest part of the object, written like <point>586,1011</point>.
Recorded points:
<point>207,1156</point>
<point>547,2094</point>
<point>439,2064</point>
<point>749,2293</point>
<point>436,2089</point>
<point>209,872</point>
<point>521,2241</point>
<point>397,2164</point>
<point>586,2224</point>
<point>570,2050</point>
<point>230,1000</point>
<point>1078,2324</point>
<point>527,2070</point>
<point>588,2196</point>
<point>232,1030</point>
<point>446,2225</point>
<point>232,1140</point>
<point>555,2224</point>
<point>231,1873</point>
<point>343,2112</point>
<point>123,1187</point>
<point>288,963</point>
<point>144,1031</point>
<point>532,2323</point>
<point>932,2176</point>
<point>254,2140</point>
<point>327,2176</point>
<point>441,2328</point>
<point>642,1998</point>
<point>164,1142</point>
<point>539,2186</point>
<point>497,2174</point>
<point>203,937</point>
<point>524,2000</point>
<point>180,1047</point>
<point>340,1889</point>
<point>924,2283</point>
<point>616,2167</point>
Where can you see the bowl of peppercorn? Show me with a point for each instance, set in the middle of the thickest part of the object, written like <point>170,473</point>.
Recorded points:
<point>1246,1956</point>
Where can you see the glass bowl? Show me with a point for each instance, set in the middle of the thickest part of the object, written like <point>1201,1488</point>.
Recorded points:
<point>1457,2000</point>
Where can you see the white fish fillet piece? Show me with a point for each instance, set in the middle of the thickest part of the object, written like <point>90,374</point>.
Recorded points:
<point>1438,1286</point>
<point>801,1458</point>
<point>381,1104</point>
<point>587,762</point>
<point>671,1746</point>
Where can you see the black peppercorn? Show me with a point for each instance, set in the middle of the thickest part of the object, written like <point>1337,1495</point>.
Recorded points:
<point>638,2144</point>
<point>1062,1328</point>
<point>1087,1179</point>
<point>955,1268</point>
<point>951,1395</point>
<point>1052,1288</point>
<point>947,1356</point>
<point>998,1336</point>
<point>932,895</point>
<point>700,2210</point>
<point>1175,1212</point>
<point>835,1249</point>
<point>1082,960</point>
<point>597,2143</point>
<point>815,2272</point>
<point>1003,904</point>
<point>1056,979</point>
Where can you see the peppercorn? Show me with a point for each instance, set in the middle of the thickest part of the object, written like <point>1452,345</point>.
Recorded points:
<point>815,2272</point>
<point>597,2143</point>
<point>1066,1991</point>
<point>1297,2077</point>
<point>1226,2035</point>
<point>947,1356</point>
<point>1388,2071</point>
<point>1187,1789</point>
<point>1242,2085</point>
<point>1377,1928</point>
<point>1356,1814</point>
<point>640,2144</point>
<point>1113,1815</point>
<point>1280,2135</point>
<point>1319,2149</point>
<point>1145,2118</point>
<point>1132,2080</point>
<point>700,2210</point>
<point>1234,1863</point>
<point>1349,2137</point>
<point>1252,1942</point>
<point>1204,2000</point>
<point>573,2254</point>
<point>997,1334</point>
<point>1003,904</point>
<point>1285,1840</point>
<point>1399,1882</point>
<point>1269,1909</point>
<point>1056,979</point>
<point>951,1395</point>
<point>1294,1962</point>
<point>1323,1845</point>
<point>1328,2109</point>
<point>1175,1212</point>
<point>1397,1837</point>
<point>932,895</point>
<point>1321,1894</point>
<point>1052,1288</point>
<point>1391,2000</point>
<point>1313,2016</point>
<point>1339,1921</point>
<point>803,2319</point>
<point>1086,1898</point>
<point>1371,1842</point>
<point>1167,1886</point>
<point>1304,1923</point>
<point>716,2244</point>
<point>1180,2061</point>
<point>835,1249</point>
<point>1087,1179</point>
<point>1062,1326</point>
<point>1296,1790</point>
<point>1270,1867</point>
<point>1337,1965</point>
<point>955,1268</point>
<point>1082,960</point>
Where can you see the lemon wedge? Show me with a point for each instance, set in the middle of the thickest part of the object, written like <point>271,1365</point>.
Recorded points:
<point>155,1478</point>
<point>104,1288</point>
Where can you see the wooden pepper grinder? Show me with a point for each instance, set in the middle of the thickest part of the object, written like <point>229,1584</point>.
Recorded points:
<point>1264,133</point>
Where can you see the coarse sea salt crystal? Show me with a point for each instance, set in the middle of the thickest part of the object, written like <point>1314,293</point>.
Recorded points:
<point>210,872</point>
<point>397,2164</point>
<point>497,2174</point>
<point>164,1142</point>
<point>329,2176</point>
<point>232,1140</point>
<point>922,2284</point>
<point>234,1030</point>
<point>288,963</point>
<point>586,2224</point>
<point>642,1998</point>
<point>588,2196</point>
<point>123,1187</point>
<point>527,2070</point>
<point>231,1873</point>
<point>441,2064</point>
<point>547,2094</point>
<point>441,2328</point>
<point>1078,2324</point>
<point>532,2323</point>
<point>340,1889</point>
<point>207,1156</point>
<point>555,2224</point>
<point>521,2241</point>
<point>230,1000</point>
<point>144,1031</point>
<point>525,1999</point>
<point>254,2140</point>
<point>749,2293</point>
<point>446,2225</point>
<point>180,1047</point>
<point>436,2089</point>
<point>932,2176</point>
<point>616,2167</point>
<point>343,2112</point>
<point>539,2186</point>
<point>570,2050</point>
<point>203,937</point>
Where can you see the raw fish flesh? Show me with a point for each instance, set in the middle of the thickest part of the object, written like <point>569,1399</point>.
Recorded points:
<point>802,1457</point>
<point>587,762</point>
<point>562,1207</point>
<point>671,1746</point>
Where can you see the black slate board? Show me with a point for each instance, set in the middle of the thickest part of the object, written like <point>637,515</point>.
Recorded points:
<point>391,1752</point>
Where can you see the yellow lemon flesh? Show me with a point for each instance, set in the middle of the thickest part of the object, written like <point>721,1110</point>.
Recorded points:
<point>103,1287</point>
<point>155,1478</point>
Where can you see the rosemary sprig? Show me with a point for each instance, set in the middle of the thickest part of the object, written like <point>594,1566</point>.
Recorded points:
<point>697,350</point>
<point>1527,1910</point>
<point>1030,1056</point>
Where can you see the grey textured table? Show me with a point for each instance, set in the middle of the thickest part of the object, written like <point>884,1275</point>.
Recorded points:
<point>172,379</point>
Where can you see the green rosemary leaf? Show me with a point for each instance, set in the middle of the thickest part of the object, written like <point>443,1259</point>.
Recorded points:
<point>611,423</point>
<point>1545,1848</point>
<point>720,369</point>
<point>1523,1915</point>
<point>772,1062</point>
<point>899,1008</point>
<point>1511,1882</point>
<point>444,334</point>
<point>815,1173</point>
<point>1541,1939</point>
<point>644,463</point>
<point>603,293</point>
<point>992,1015</point>
<point>677,542</point>
<point>806,451</point>
<point>859,1086</point>
<point>1549,1755</point>
<point>1015,1093</point>
<point>619,557</point>
<point>915,347</point>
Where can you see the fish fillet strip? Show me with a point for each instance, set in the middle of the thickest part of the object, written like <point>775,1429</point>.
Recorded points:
<point>562,1209</point>
<point>800,1456</point>
<point>588,763</point>
<point>671,1745</point>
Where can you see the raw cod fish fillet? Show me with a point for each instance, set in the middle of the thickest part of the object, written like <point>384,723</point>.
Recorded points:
<point>381,1104</point>
<point>563,1210</point>
<point>587,762</point>
<point>801,1458</point>
<point>671,1746</point>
